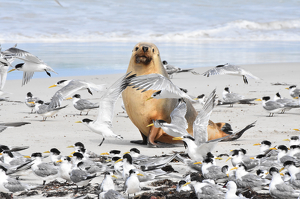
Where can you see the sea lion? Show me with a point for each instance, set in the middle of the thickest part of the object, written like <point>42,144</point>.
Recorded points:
<point>145,60</point>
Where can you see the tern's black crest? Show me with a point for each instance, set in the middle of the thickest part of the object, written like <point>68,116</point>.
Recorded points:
<point>219,66</point>
<point>55,151</point>
<point>29,94</point>
<point>189,137</point>
<point>4,148</point>
<point>278,95</point>
<point>39,102</point>
<point>78,155</point>
<point>272,170</point>
<point>9,153</point>
<point>266,98</point>
<point>227,89</point>
<point>295,138</point>
<point>76,96</point>
<point>60,82</point>
<point>135,150</point>
<point>19,66</point>
<point>38,154</point>
<point>114,159</point>
<point>243,151</point>
<point>115,152</point>
<point>131,172</point>
<point>200,96</point>
<point>226,128</point>
<point>128,157</point>
<point>293,86</point>
<point>79,144</point>
<point>87,120</point>
<point>288,163</point>
<point>156,93</point>
<point>164,62</point>
<point>181,182</point>
<point>283,148</point>
<point>295,147</point>
<point>266,142</point>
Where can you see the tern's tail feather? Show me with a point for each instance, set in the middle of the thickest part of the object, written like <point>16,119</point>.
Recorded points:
<point>51,69</point>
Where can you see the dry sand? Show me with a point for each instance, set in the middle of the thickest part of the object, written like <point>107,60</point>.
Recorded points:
<point>62,131</point>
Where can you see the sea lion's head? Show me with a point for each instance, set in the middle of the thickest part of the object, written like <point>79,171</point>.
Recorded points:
<point>144,53</point>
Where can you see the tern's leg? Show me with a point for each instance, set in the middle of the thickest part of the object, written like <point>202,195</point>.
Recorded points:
<point>142,142</point>
<point>87,113</point>
<point>48,73</point>
<point>102,141</point>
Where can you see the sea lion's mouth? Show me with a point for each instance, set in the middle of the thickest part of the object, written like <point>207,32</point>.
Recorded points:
<point>142,59</point>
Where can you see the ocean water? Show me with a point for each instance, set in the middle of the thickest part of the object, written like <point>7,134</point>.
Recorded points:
<point>83,37</point>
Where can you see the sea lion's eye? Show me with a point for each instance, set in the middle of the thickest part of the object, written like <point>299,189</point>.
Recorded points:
<point>136,48</point>
<point>153,50</point>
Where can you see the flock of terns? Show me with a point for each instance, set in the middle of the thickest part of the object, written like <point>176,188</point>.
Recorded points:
<point>211,181</point>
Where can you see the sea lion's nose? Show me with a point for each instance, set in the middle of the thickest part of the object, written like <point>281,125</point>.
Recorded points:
<point>145,49</point>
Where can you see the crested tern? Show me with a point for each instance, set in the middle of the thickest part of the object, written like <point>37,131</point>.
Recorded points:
<point>65,167</point>
<point>70,87</point>
<point>278,188</point>
<point>45,110</point>
<point>132,183</point>
<point>31,64</point>
<point>107,182</point>
<point>54,155</point>
<point>45,171</point>
<point>228,69</point>
<point>294,91</point>
<point>103,124</point>
<point>80,177</point>
<point>83,104</point>
<point>271,106</point>
<point>30,101</point>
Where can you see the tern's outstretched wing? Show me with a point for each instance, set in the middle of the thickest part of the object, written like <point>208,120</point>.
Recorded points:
<point>156,81</point>
<point>23,55</point>
<point>201,121</point>
<point>110,97</point>
<point>178,115</point>
<point>69,89</point>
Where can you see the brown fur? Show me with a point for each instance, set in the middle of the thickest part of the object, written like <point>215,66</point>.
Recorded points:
<point>145,60</point>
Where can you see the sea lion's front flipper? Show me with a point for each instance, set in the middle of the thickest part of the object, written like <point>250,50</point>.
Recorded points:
<point>142,142</point>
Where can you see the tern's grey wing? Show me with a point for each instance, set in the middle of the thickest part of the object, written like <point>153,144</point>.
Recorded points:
<point>155,81</point>
<point>201,121</point>
<point>66,91</point>
<point>271,105</point>
<point>112,194</point>
<point>23,55</point>
<point>232,97</point>
<point>14,124</point>
<point>85,104</point>
<point>45,169</point>
<point>27,75</point>
<point>178,115</point>
<point>222,70</point>
<point>13,185</point>
<point>109,99</point>
<point>43,109</point>
<point>284,187</point>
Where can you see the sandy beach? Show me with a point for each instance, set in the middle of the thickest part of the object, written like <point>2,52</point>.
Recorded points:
<point>61,131</point>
